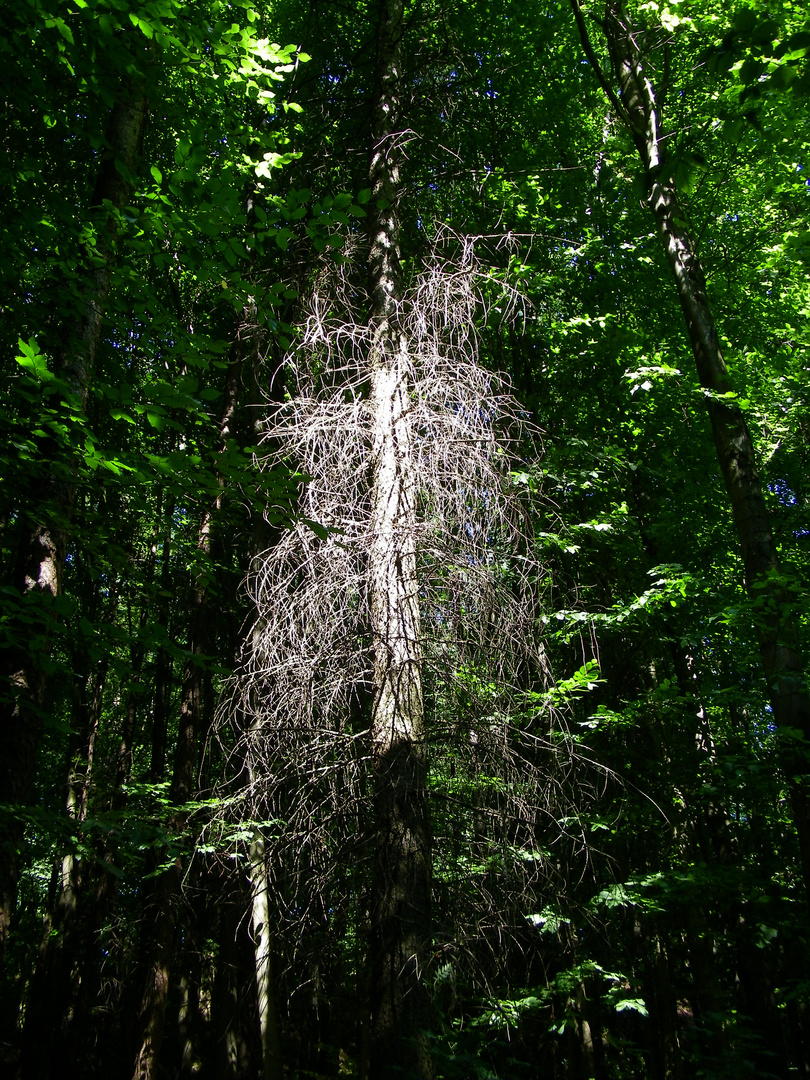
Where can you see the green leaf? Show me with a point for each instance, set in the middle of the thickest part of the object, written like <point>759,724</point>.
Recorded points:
<point>145,27</point>
<point>633,1005</point>
<point>283,238</point>
<point>32,360</point>
<point>119,414</point>
<point>744,21</point>
<point>64,29</point>
<point>751,70</point>
<point>320,531</point>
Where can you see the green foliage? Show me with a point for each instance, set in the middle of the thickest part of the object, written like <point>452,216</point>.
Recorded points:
<point>650,889</point>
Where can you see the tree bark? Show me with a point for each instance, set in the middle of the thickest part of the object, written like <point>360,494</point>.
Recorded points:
<point>52,992</point>
<point>232,1005</point>
<point>163,901</point>
<point>272,1068</point>
<point>400,902</point>
<point>41,554</point>
<point>782,663</point>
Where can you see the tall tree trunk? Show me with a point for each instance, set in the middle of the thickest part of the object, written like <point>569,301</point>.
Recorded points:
<point>664,1057</point>
<point>101,881</point>
<point>52,991</point>
<point>164,902</point>
<point>263,944</point>
<point>400,903</point>
<point>232,995</point>
<point>782,663</point>
<point>137,652</point>
<point>41,555</point>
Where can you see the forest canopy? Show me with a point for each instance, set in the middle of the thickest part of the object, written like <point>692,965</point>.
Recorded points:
<point>406,539</point>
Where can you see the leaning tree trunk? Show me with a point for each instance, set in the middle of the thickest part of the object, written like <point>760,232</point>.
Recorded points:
<point>41,554</point>
<point>782,663</point>
<point>400,903</point>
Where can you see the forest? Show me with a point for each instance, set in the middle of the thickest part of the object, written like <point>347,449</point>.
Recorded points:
<point>405,544</point>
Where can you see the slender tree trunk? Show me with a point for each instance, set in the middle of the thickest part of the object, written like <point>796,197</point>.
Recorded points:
<point>41,554</point>
<point>52,993</point>
<point>164,668</point>
<point>100,885</point>
<point>192,728</point>
<point>400,903</point>
<point>162,905</point>
<point>164,898</point>
<point>137,656</point>
<point>232,1005</point>
<point>756,999</point>
<point>664,1052</point>
<point>262,944</point>
<point>782,663</point>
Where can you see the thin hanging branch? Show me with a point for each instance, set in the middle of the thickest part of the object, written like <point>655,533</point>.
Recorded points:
<point>597,67</point>
<point>296,721</point>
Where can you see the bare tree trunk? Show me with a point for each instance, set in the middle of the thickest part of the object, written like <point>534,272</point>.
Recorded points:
<point>400,903</point>
<point>41,555</point>
<point>262,944</point>
<point>782,663</point>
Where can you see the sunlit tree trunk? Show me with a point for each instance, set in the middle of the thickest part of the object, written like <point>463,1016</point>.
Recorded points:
<point>262,946</point>
<point>782,663</point>
<point>400,903</point>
